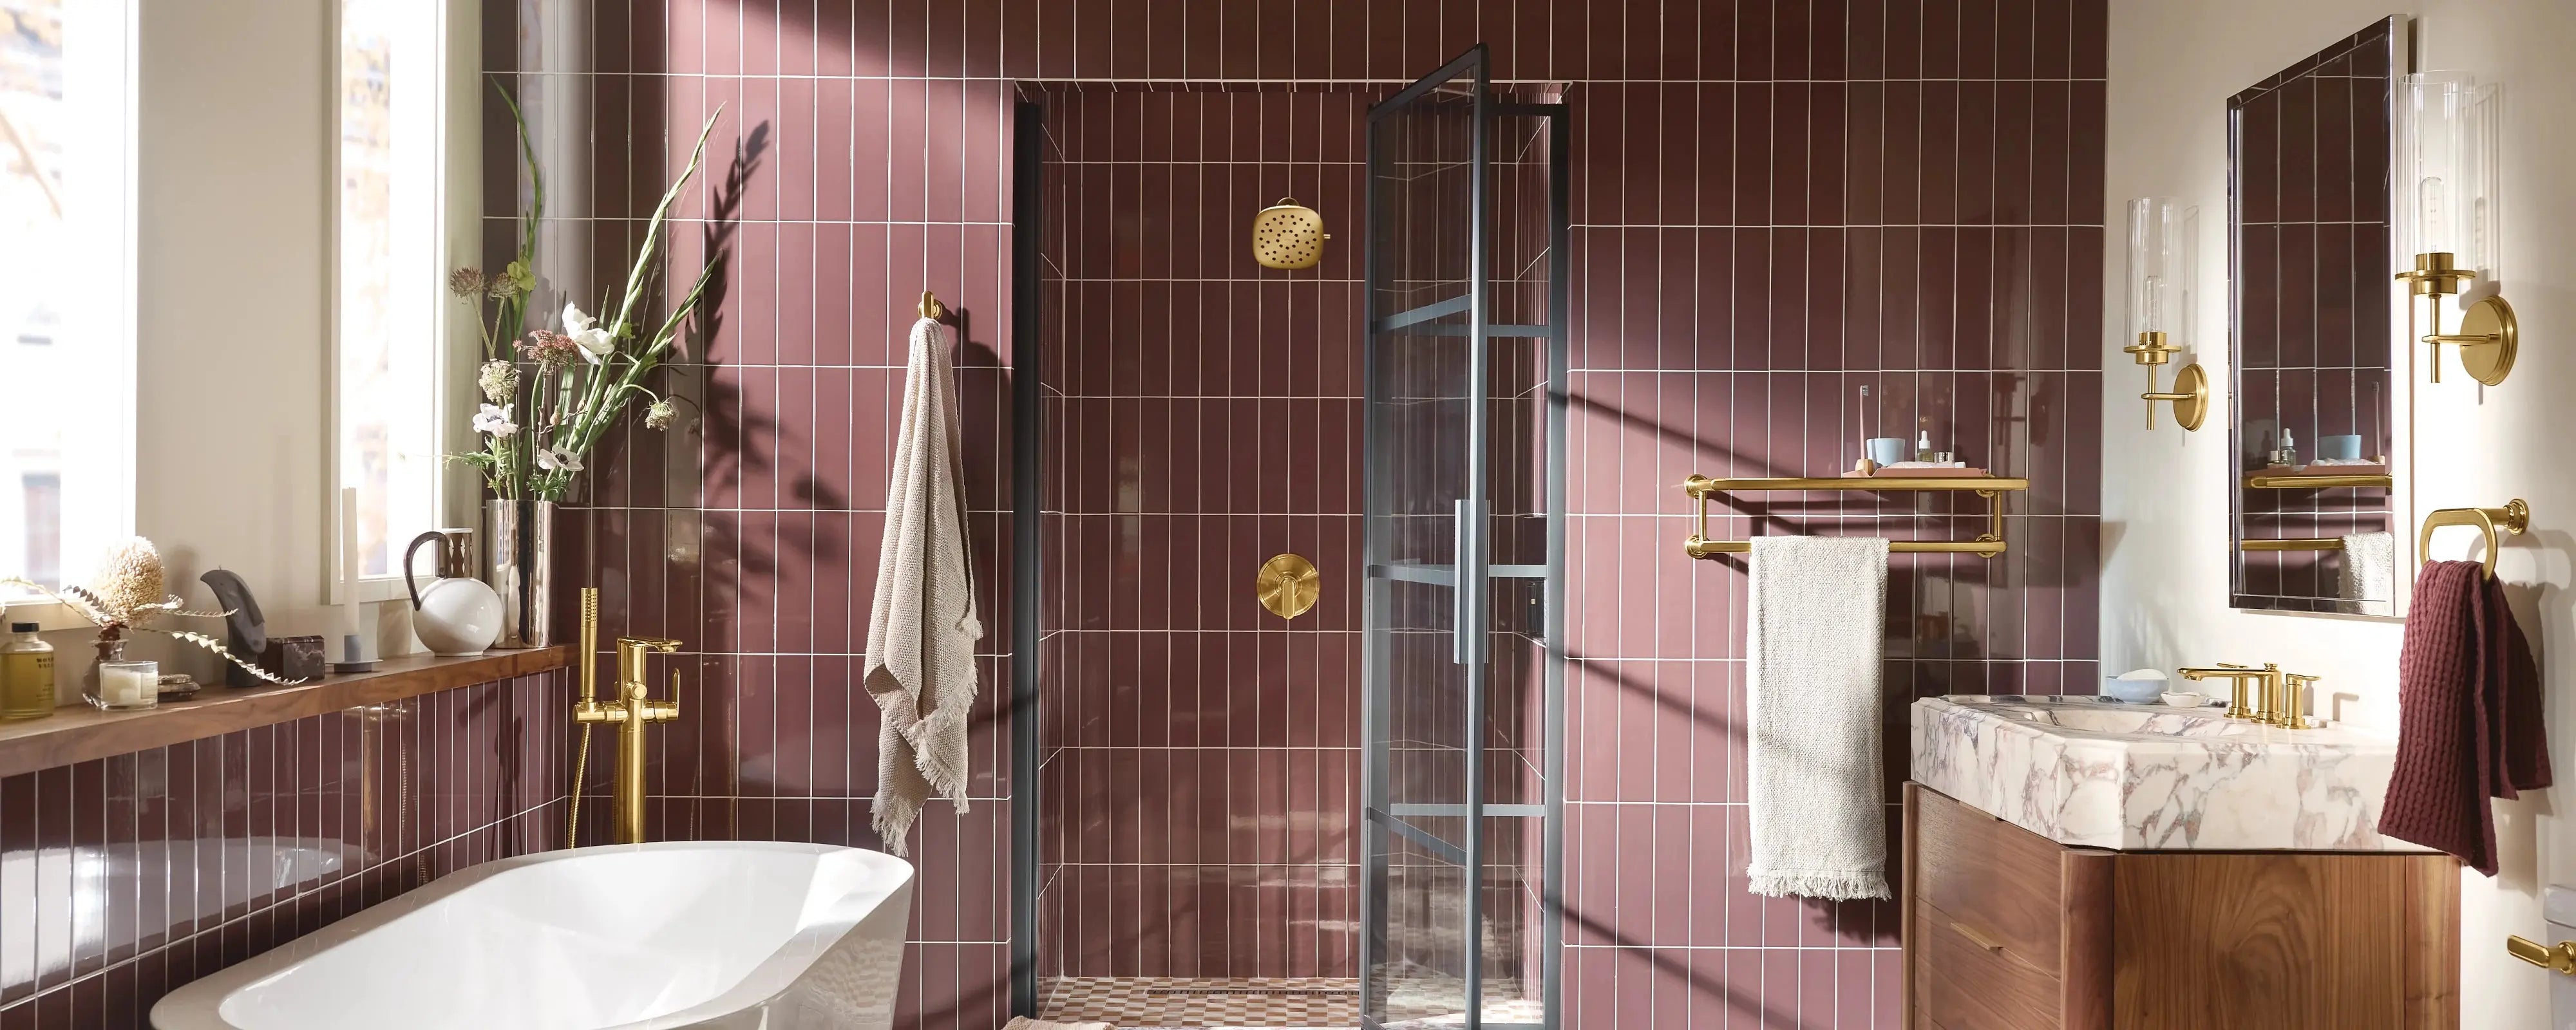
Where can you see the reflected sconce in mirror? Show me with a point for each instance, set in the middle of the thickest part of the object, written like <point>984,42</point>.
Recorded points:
<point>2162,259</point>
<point>2446,216</point>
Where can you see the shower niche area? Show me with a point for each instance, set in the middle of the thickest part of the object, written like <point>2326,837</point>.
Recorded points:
<point>1351,817</point>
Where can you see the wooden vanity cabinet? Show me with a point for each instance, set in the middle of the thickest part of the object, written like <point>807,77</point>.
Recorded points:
<point>2007,930</point>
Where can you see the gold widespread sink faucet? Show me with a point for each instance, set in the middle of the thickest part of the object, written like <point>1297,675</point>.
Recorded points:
<point>2266,695</point>
<point>631,711</point>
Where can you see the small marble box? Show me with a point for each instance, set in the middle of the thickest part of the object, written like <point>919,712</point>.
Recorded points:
<point>294,658</point>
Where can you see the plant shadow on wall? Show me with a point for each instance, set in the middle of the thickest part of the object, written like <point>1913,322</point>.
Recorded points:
<point>722,565</point>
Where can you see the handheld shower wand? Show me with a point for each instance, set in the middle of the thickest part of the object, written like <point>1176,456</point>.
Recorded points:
<point>589,659</point>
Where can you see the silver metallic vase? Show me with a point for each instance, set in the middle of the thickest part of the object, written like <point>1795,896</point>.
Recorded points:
<point>517,564</point>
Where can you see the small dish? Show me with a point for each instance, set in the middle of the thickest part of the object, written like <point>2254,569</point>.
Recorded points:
<point>2186,699</point>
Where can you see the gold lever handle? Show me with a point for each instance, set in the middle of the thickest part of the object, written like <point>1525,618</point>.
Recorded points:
<point>2557,958</point>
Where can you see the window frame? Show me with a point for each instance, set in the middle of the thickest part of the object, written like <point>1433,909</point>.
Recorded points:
<point>456,195</point>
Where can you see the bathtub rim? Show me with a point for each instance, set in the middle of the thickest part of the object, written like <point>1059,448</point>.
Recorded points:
<point>198,1005</point>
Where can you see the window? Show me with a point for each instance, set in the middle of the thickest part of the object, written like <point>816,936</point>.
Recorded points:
<point>391,313</point>
<point>66,285</point>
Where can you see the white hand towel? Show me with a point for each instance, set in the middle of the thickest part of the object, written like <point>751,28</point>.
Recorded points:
<point>2369,569</point>
<point>1812,684</point>
<point>922,630</point>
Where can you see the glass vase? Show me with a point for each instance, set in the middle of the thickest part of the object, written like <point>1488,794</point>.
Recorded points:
<point>516,562</point>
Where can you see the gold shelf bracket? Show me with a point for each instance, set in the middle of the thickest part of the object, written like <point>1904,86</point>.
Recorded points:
<point>1989,544</point>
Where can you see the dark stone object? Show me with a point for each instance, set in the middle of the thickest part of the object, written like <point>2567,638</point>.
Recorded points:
<point>295,658</point>
<point>245,630</point>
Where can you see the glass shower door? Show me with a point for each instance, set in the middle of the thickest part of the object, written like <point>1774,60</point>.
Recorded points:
<point>1462,544</point>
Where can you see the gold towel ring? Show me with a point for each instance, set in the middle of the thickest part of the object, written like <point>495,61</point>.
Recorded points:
<point>2513,518</point>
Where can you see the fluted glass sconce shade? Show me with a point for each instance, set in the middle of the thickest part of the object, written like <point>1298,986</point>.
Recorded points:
<point>2446,198</point>
<point>2162,271</point>
<point>2445,188</point>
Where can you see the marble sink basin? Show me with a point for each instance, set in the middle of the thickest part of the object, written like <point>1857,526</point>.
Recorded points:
<point>2096,773</point>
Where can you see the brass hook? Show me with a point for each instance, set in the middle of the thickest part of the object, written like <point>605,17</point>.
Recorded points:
<point>930,307</point>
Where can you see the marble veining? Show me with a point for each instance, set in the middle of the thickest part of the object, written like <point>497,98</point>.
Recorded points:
<point>2096,773</point>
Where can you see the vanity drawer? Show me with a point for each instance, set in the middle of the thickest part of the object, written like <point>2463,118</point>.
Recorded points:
<point>1967,979</point>
<point>2003,883</point>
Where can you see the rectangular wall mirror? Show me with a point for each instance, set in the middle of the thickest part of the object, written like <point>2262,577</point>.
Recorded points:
<point>2310,260</point>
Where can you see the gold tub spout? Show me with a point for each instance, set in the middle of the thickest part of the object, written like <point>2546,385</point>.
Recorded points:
<point>631,711</point>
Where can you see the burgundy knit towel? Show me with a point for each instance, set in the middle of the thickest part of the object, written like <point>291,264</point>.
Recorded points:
<point>2520,737</point>
<point>2468,715</point>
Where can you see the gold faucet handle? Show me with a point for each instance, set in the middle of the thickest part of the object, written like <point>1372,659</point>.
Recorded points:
<point>2559,957</point>
<point>2294,698</point>
<point>664,645</point>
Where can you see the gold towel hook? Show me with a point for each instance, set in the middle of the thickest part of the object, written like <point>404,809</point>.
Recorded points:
<point>931,308</point>
<point>2513,518</point>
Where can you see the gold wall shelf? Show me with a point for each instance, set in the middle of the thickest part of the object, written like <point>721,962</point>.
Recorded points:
<point>2512,519</point>
<point>2315,482</point>
<point>1987,545</point>
<point>2310,543</point>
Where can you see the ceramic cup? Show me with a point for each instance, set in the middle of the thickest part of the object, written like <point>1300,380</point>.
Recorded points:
<point>2339,448</point>
<point>1886,450</point>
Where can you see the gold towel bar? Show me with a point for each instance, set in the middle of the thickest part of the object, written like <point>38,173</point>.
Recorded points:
<point>2308,543</point>
<point>2513,518</point>
<point>1987,545</point>
<point>2314,482</point>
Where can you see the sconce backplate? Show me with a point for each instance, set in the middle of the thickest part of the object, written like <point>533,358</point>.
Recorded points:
<point>2490,363</point>
<point>2190,396</point>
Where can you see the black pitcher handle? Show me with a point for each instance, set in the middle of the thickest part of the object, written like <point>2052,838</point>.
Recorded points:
<point>408,552</point>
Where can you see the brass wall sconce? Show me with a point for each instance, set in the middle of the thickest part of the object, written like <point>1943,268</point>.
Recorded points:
<point>2190,395</point>
<point>2163,241</point>
<point>2489,336</point>
<point>2447,192</point>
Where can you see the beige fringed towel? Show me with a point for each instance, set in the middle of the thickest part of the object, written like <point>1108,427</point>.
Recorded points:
<point>1812,686</point>
<point>922,630</point>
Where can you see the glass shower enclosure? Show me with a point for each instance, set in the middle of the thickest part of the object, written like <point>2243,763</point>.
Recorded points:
<point>1464,551</point>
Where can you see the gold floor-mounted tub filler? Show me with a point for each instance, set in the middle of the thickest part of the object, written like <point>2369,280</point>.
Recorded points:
<point>1288,585</point>
<point>630,710</point>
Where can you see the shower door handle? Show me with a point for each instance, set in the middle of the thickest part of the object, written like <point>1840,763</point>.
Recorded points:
<point>1466,549</point>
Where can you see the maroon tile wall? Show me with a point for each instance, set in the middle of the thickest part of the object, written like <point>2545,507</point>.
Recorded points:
<point>125,878</point>
<point>1776,204</point>
<point>1202,754</point>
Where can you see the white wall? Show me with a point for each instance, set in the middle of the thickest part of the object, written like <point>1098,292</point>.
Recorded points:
<point>2164,590</point>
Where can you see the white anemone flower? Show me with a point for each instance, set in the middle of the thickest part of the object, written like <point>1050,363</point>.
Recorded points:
<point>558,459</point>
<point>495,420</point>
<point>595,343</point>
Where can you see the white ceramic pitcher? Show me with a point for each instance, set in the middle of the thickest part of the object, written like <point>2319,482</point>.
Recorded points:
<point>457,615</point>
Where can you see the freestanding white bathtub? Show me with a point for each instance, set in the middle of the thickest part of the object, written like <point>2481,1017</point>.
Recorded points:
<point>631,937</point>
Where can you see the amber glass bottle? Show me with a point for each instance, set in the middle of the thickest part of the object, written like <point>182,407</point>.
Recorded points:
<point>26,674</point>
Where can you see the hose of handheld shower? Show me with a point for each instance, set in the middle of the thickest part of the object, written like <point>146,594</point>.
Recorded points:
<point>589,693</point>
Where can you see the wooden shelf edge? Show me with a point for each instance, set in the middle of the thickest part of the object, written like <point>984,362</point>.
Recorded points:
<point>79,733</point>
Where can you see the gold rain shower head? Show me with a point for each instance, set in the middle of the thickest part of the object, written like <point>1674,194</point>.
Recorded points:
<point>1288,235</point>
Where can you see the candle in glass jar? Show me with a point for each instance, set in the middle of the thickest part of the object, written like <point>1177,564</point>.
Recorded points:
<point>129,684</point>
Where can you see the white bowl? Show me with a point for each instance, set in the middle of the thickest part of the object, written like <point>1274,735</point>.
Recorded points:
<point>2136,692</point>
<point>2186,699</point>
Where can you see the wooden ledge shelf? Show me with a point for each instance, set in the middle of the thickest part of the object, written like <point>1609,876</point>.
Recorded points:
<point>79,733</point>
